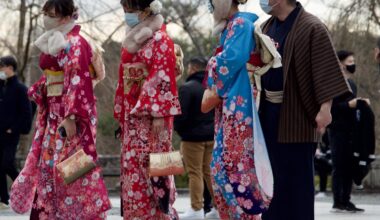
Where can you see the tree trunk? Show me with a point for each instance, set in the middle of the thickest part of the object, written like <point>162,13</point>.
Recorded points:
<point>21,35</point>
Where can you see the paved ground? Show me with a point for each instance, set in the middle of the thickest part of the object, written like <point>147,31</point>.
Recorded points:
<point>370,202</point>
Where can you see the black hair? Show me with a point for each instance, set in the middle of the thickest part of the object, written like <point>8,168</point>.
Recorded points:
<point>343,54</point>
<point>8,61</point>
<point>292,2</point>
<point>239,2</point>
<point>199,62</point>
<point>63,8</point>
<point>136,4</point>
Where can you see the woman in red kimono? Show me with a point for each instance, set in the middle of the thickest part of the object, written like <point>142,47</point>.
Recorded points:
<point>64,95</point>
<point>145,103</point>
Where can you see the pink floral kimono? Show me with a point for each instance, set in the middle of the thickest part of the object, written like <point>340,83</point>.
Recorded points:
<point>65,89</point>
<point>146,90</point>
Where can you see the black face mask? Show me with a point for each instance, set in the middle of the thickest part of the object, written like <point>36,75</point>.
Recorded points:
<point>351,68</point>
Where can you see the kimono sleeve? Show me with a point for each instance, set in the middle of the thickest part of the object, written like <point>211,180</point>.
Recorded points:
<point>37,92</point>
<point>78,91</point>
<point>225,66</point>
<point>158,96</point>
<point>119,97</point>
<point>327,75</point>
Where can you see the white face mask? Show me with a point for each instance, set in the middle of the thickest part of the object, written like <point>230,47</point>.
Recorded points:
<point>266,7</point>
<point>3,76</point>
<point>50,22</point>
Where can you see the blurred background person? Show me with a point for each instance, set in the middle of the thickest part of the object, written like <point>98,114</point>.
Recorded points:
<point>341,136</point>
<point>15,119</point>
<point>323,165</point>
<point>196,130</point>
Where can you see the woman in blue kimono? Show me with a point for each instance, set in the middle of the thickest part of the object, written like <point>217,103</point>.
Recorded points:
<point>243,181</point>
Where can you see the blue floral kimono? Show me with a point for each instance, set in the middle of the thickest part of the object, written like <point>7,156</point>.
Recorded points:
<point>243,181</point>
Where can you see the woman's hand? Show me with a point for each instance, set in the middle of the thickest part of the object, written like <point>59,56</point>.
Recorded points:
<point>70,127</point>
<point>210,100</point>
<point>353,103</point>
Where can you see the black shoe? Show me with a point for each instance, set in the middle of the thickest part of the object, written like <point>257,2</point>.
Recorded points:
<point>338,208</point>
<point>350,207</point>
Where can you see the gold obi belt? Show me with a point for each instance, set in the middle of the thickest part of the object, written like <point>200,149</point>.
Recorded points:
<point>134,73</point>
<point>55,79</point>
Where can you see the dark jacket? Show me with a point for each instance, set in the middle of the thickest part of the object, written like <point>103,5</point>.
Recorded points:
<point>15,107</point>
<point>344,116</point>
<point>364,141</point>
<point>312,76</point>
<point>193,125</point>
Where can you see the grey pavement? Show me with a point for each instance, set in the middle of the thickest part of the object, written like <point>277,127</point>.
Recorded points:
<point>370,202</point>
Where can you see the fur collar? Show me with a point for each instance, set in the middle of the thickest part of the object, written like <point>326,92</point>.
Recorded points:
<point>136,37</point>
<point>53,41</point>
<point>222,8</point>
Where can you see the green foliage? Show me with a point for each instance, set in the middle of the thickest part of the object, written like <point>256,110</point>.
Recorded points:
<point>107,124</point>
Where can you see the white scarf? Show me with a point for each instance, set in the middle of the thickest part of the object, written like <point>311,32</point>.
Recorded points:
<point>136,37</point>
<point>53,41</point>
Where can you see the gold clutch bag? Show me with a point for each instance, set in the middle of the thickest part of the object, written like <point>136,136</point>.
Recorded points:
<point>165,164</point>
<point>75,166</point>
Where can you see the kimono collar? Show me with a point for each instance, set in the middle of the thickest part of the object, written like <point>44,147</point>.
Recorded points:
<point>54,40</point>
<point>136,37</point>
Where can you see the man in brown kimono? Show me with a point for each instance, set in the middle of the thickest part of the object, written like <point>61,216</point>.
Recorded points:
<point>295,104</point>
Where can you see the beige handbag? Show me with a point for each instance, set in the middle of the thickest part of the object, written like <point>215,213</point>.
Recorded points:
<point>165,164</point>
<point>76,166</point>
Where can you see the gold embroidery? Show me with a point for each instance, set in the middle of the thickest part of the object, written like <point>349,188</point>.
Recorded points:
<point>75,166</point>
<point>54,82</point>
<point>134,73</point>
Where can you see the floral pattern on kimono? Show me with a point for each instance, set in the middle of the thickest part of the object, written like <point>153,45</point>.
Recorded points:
<point>135,108</point>
<point>241,169</point>
<point>87,197</point>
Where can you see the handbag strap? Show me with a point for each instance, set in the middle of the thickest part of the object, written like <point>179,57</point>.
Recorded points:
<point>66,148</point>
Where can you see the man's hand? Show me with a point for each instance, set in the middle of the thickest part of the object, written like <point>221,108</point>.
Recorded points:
<point>324,117</point>
<point>353,103</point>
<point>158,126</point>
<point>9,131</point>
<point>70,127</point>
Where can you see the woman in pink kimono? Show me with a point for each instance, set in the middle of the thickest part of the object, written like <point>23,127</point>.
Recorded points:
<point>64,95</point>
<point>145,103</point>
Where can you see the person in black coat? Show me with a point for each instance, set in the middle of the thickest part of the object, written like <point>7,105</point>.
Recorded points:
<point>341,133</point>
<point>15,119</point>
<point>196,130</point>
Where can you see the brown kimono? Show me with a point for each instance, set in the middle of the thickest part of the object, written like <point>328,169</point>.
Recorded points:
<point>312,76</point>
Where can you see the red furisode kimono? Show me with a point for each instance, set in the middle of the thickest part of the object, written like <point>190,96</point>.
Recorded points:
<point>146,90</point>
<point>65,89</point>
